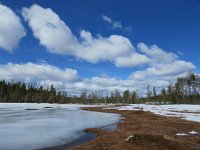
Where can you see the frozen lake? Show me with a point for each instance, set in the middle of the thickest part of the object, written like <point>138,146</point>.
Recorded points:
<point>36,126</point>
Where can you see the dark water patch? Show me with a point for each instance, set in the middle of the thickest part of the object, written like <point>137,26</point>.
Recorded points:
<point>48,107</point>
<point>31,109</point>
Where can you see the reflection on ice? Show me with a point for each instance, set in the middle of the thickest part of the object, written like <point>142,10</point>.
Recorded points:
<point>34,126</point>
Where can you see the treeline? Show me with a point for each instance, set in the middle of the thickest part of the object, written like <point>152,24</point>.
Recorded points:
<point>18,92</point>
<point>127,97</point>
<point>186,90</point>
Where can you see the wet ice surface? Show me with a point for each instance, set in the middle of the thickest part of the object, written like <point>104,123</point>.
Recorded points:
<point>36,126</point>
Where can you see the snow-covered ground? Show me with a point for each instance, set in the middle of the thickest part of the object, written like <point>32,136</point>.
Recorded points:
<point>35,126</point>
<point>187,112</point>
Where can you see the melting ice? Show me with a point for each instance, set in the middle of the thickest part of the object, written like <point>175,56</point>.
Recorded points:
<point>35,126</point>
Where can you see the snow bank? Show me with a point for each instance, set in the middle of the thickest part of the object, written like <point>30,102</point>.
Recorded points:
<point>35,126</point>
<point>187,112</point>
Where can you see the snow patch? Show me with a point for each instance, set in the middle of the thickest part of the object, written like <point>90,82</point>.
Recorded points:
<point>193,133</point>
<point>189,133</point>
<point>181,134</point>
<point>184,111</point>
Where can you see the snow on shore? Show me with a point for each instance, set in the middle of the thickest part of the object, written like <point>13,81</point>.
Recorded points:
<point>185,111</point>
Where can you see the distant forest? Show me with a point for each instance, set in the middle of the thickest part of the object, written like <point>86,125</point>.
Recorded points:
<point>184,90</point>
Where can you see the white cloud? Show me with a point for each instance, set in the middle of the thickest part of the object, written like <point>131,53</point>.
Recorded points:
<point>156,54</point>
<point>163,63</point>
<point>166,71</point>
<point>57,37</point>
<point>68,79</point>
<point>50,30</point>
<point>11,29</point>
<point>134,59</point>
<point>100,48</point>
<point>108,84</point>
<point>39,73</point>
<point>105,84</point>
<point>63,79</point>
<point>163,66</point>
<point>115,24</point>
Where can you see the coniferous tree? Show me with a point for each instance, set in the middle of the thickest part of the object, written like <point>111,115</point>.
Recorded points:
<point>149,93</point>
<point>126,96</point>
<point>134,97</point>
<point>154,92</point>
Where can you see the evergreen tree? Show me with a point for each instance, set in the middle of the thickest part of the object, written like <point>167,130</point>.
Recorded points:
<point>134,97</point>
<point>149,93</point>
<point>154,92</point>
<point>126,97</point>
<point>117,96</point>
<point>163,94</point>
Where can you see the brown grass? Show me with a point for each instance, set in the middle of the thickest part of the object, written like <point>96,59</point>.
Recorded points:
<point>150,131</point>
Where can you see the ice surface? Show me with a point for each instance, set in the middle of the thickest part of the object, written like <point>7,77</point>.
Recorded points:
<point>187,112</point>
<point>34,126</point>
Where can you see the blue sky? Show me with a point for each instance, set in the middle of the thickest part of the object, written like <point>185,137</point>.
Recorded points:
<point>101,45</point>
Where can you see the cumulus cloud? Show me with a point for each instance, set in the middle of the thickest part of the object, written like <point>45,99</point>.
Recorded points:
<point>156,54</point>
<point>163,66</point>
<point>174,69</point>
<point>63,79</point>
<point>108,84</point>
<point>164,63</point>
<point>103,84</point>
<point>115,24</point>
<point>134,59</point>
<point>37,73</point>
<point>57,37</point>
<point>11,29</point>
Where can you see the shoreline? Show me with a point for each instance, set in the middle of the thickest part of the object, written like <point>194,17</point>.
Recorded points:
<point>88,136</point>
<point>83,139</point>
<point>149,131</point>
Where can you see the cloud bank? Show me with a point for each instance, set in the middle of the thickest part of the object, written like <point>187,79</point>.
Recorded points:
<point>69,80</point>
